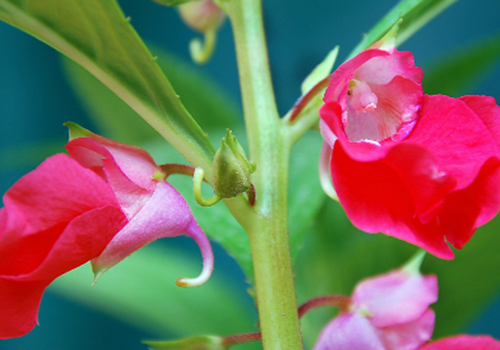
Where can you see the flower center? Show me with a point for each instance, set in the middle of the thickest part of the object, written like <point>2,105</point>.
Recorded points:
<point>362,99</point>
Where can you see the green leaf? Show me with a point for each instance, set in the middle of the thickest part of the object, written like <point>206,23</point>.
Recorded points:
<point>469,283</point>
<point>415,14</point>
<point>208,103</point>
<point>96,34</point>
<point>320,72</point>
<point>305,195</point>
<point>141,291</point>
<point>172,2</point>
<point>457,72</point>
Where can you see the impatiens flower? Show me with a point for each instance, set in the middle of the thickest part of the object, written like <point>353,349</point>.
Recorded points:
<point>101,204</point>
<point>387,312</point>
<point>464,342</point>
<point>424,169</point>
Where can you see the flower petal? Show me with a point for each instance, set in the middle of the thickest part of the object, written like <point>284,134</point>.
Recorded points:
<point>408,336</point>
<point>349,332</point>
<point>397,297</point>
<point>464,342</point>
<point>165,214</point>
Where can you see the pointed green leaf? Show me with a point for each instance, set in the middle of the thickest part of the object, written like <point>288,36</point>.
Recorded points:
<point>321,71</point>
<point>457,72</point>
<point>207,102</point>
<point>96,34</point>
<point>141,291</point>
<point>415,14</point>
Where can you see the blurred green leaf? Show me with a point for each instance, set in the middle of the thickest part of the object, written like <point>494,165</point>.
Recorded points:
<point>469,283</point>
<point>415,14</point>
<point>141,291</point>
<point>457,72</point>
<point>206,101</point>
<point>305,195</point>
<point>97,35</point>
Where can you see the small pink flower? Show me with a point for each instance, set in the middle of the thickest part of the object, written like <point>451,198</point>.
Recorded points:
<point>388,312</point>
<point>420,168</point>
<point>101,204</point>
<point>464,342</point>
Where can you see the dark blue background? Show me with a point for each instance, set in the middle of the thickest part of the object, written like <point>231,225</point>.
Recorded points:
<point>35,100</point>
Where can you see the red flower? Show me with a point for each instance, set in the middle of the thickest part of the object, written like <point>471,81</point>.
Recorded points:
<point>417,167</point>
<point>100,205</point>
<point>464,342</point>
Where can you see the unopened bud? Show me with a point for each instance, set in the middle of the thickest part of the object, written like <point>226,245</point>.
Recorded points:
<point>202,16</point>
<point>231,168</point>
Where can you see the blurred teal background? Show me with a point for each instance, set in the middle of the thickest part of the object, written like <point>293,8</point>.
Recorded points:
<point>36,98</point>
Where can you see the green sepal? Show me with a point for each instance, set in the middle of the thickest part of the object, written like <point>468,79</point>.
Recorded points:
<point>231,169</point>
<point>76,131</point>
<point>203,342</point>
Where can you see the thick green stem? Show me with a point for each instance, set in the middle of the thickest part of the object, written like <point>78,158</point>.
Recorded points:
<point>269,149</point>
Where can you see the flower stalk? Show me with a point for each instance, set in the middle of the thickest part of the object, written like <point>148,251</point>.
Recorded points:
<point>269,149</point>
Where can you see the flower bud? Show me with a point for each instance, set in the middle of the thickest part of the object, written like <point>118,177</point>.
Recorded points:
<point>202,16</point>
<point>231,168</point>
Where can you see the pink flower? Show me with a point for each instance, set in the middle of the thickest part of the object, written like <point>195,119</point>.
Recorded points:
<point>420,168</point>
<point>388,312</point>
<point>101,204</point>
<point>464,342</point>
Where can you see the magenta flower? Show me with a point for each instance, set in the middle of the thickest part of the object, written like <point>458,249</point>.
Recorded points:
<point>101,204</point>
<point>464,342</point>
<point>388,312</point>
<point>420,168</point>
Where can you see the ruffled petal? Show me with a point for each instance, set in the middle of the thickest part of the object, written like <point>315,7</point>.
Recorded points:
<point>397,297</point>
<point>408,336</point>
<point>456,136</point>
<point>377,197</point>
<point>165,214</point>
<point>349,332</point>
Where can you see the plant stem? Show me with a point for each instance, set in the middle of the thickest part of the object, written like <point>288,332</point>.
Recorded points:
<point>269,149</point>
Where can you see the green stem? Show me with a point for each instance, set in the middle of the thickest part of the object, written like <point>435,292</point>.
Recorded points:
<point>269,149</point>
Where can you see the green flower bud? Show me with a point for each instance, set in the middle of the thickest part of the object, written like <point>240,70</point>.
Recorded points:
<point>204,342</point>
<point>231,168</point>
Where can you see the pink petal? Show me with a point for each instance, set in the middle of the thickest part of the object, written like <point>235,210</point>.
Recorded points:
<point>465,210</point>
<point>57,191</point>
<point>456,136</point>
<point>486,108</point>
<point>377,196</point>
<point>408,336</point>
<point>165,214</point>
<point>464,342</point>
<point>349,332</point>
<point>131,185</point>
<point>383,69</point>
<point>395,115</point>
<point>83,239</point>
<point>397,297</point>
<point>19,302</point>
<point>133,161</point>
